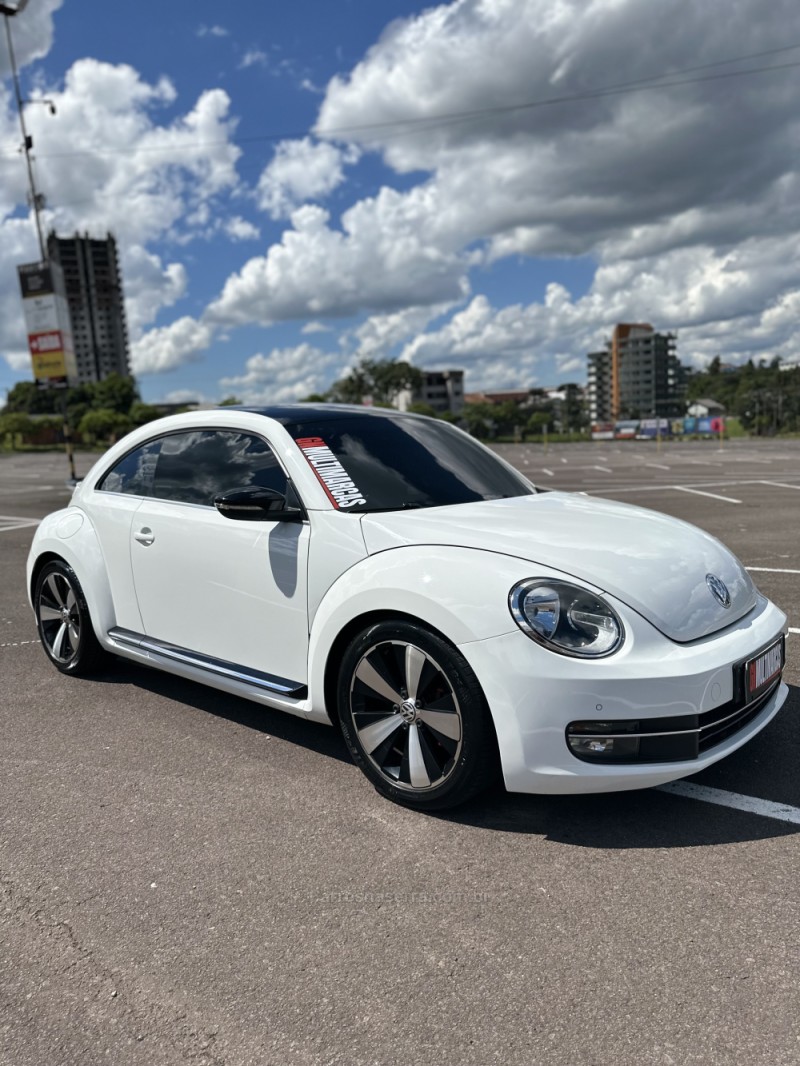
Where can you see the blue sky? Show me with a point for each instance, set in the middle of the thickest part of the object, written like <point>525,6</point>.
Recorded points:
<point>294,187</point>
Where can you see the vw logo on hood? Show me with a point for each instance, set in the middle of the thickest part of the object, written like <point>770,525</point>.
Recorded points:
<point>719,590</point>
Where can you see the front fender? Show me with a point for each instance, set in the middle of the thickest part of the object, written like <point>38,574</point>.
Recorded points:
<point>71,536</point>
<point>461,592</point>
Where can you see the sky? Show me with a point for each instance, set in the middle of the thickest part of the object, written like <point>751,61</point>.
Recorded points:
<point>484,184</point>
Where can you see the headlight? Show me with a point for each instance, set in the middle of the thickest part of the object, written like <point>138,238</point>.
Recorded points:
<point>565,618</point>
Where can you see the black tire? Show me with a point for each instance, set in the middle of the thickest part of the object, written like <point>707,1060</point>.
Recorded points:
<point>432,748</point>
<point>62,618</point>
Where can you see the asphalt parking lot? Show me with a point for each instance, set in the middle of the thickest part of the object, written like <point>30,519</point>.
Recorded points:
<point>189,878</point>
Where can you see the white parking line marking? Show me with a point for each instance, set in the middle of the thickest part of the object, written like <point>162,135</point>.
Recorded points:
<point>770,570</point>
<point>698,492</point>
<point>25,524</point>
<point>19,643</point>
<point>793,630</point>
<point>781,485</point>
<point>661,487</point>
<point>548,472</point>
<point>563,460</point>
<point>766,808</point>
<point>659,466</point>
<point>605,469</point>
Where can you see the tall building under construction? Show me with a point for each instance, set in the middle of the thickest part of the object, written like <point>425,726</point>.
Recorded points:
<point>97,311</point>
<point>637,375</point>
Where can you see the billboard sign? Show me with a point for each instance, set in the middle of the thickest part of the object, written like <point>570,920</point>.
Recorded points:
<point>654,427</point>
<point>47,324</point>
<point>602,431</point>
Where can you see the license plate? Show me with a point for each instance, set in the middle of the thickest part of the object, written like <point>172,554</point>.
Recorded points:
<point>761,671</point>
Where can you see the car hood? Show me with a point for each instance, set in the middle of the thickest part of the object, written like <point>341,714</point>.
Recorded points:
<point>655,564</point>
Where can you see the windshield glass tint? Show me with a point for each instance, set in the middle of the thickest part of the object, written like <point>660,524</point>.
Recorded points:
<point>371,463</point>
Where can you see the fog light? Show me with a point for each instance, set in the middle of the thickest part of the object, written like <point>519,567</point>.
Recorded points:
<point>611,748</point>
<point>586,740</point>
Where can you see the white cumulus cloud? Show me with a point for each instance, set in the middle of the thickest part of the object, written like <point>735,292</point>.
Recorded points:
<point>284,375</point>
<point>169,347</point>
<point>300,171</point>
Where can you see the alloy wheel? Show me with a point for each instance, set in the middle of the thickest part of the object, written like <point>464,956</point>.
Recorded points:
<point>60,618</point>
<point>406,715</point>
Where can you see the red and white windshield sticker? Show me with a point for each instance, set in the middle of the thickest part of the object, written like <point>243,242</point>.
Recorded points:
<point>340,487</point>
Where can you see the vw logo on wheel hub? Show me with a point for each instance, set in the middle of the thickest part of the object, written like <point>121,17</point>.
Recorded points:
<point>408,709</point>
<point>719,590</point>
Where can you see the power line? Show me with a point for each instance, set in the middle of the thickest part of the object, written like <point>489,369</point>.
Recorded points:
<point>435,121</point>
<point>432,122</point>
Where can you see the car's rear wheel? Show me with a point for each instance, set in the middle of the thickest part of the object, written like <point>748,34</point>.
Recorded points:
<point>414,717</point>
<point>62,617</point>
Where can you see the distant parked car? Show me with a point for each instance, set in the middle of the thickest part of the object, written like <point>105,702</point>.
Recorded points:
<point>389,574</point>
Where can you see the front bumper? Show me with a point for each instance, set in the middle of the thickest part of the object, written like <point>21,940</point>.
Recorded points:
<point>534,694</point>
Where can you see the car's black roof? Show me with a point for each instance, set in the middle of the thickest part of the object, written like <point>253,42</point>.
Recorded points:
<point>291,414</point>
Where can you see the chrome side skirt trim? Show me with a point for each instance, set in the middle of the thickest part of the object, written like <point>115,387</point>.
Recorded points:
<point>221,667</point>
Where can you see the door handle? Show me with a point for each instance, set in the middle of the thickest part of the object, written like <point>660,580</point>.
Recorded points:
<point>145,535</point>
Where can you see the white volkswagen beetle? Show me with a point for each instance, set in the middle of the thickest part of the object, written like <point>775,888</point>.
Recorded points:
<point>387,573</point>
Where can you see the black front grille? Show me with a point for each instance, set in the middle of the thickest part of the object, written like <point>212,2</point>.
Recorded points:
<point>723,722</point>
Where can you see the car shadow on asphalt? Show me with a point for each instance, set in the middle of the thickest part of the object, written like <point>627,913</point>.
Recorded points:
<point>295,730</point>
<point>648,818</point>
<point>643,819</point>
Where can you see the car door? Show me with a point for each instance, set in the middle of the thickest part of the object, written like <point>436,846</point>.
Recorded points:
<point>227,590</point>
<point>112,508</point>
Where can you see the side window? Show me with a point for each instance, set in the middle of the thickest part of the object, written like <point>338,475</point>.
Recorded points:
<point>196,467</point>
<point>133,475</point>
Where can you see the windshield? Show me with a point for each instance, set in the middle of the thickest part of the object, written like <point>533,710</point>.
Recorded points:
<point>371,463</point>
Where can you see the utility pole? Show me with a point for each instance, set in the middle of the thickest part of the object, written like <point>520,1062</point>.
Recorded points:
<point>36,198</point>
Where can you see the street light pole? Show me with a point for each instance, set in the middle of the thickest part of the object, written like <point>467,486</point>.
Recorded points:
<point>36,198</point>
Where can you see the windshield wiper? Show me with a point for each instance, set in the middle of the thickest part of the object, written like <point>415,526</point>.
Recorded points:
<point>406,505</point>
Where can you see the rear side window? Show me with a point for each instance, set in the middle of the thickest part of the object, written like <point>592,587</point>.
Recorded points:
<point>196,467</point>
<point>133,475</point>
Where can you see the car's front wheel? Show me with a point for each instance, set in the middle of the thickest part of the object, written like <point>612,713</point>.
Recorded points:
<point>414,717</point>
<point>62,617</point>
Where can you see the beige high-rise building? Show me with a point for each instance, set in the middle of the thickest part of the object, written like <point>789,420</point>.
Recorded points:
<point>637,375</point>
<point>96,306</point>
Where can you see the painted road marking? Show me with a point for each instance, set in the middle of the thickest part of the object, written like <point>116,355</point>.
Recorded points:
<point>659,466</point>
<point>563,460</point>
<point>698,492</point>
<point>548,472</point>
<point>661,487</point>
<point>605,469</point>
<point>771,570</point>
<point>8,525</point>
<point>766,808</point>
<point>20,643</point>
<point>781,485</point>
<point>792,630</point>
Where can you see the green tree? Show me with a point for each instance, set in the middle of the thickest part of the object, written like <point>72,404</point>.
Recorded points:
<point>479,419</point>
<point>141,413</point>
<point>423,409</point>
<point>115,393</point>
<point>102,423</point>
<point>230,401</point>
<point>26,398</point>
<point>540,421</point>
<point>16,423</point>
<point>380,379</point>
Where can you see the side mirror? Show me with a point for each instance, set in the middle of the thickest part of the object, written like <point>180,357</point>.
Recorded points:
<point>257,504</point>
